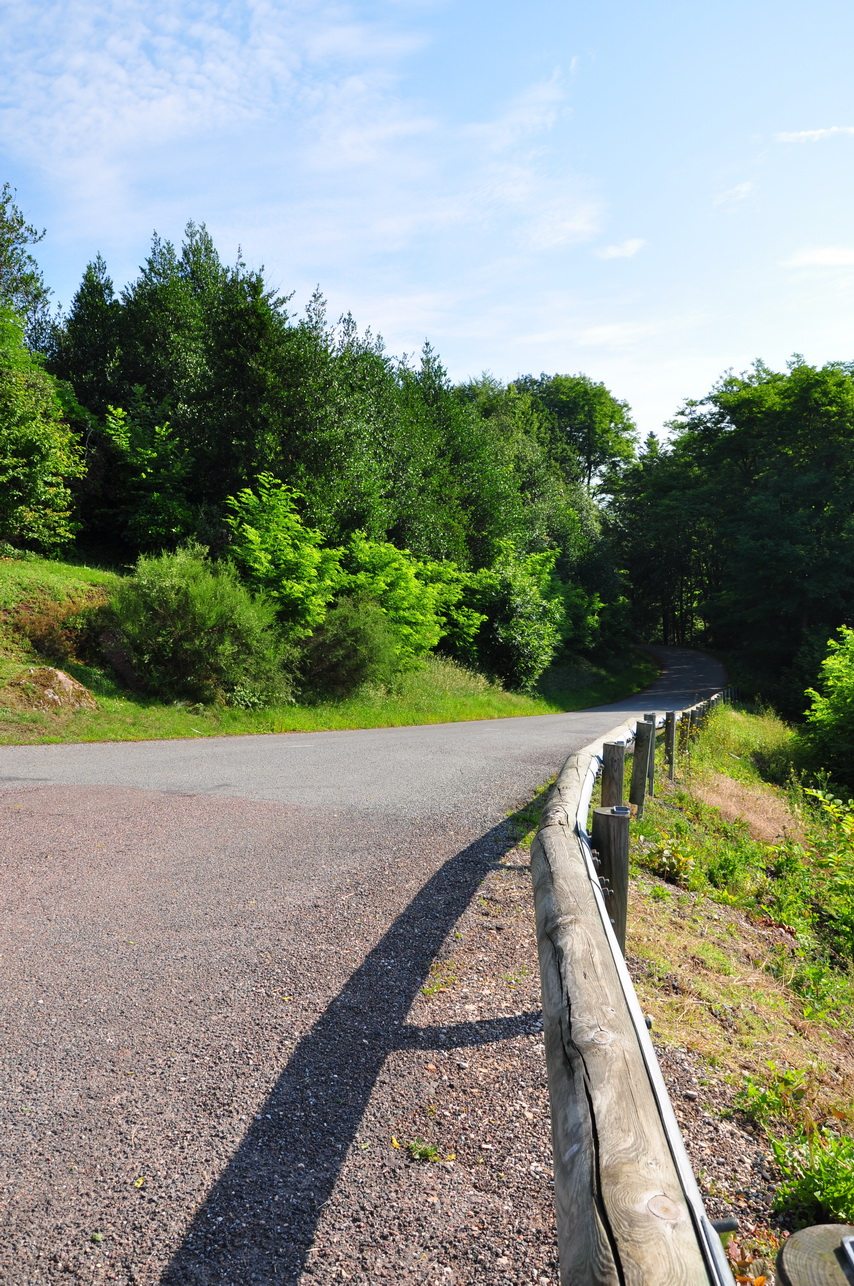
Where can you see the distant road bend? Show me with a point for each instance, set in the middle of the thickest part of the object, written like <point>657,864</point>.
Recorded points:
<point>155,896</point>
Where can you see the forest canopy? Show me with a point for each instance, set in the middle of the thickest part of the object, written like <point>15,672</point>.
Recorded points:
<point>500,522</point>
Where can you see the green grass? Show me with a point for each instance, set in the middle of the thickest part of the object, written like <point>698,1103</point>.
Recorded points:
<point>748,746</point>
<point>746,955</point>
<point>791,883</point>
<point>440,692</point>
<point>584,683</point>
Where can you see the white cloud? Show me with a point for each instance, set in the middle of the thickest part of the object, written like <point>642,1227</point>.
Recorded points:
<point>535,111</point>
<point>734,195</point>
<point>815,135</point>
<point>281,118</point>
<point>622,249</point>
<point>822,257</point>
<point>614,335</point>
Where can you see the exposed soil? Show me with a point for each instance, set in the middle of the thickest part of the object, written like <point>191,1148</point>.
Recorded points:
<point>768,818</point>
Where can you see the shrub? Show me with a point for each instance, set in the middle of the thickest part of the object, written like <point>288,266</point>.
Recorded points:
<point>58,629</point>
<point>523,616</point>
<point>354,645</point>
<point>278,554</point>
<point>190,630</point>
<point>458,621</point>
<point>376,570</point>
<point>830,719</point>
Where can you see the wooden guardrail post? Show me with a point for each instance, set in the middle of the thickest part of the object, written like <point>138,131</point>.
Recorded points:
<point>613,773</point>
<point>685,731</point>
<point>650,779</point>
<point>610,839</point>
<point>644,745</point>
<point>670,743</point>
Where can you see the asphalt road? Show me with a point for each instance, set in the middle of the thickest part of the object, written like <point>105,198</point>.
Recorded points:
<point>199,937</point>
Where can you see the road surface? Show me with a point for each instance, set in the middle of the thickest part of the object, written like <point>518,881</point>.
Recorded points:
<point>208,949</point>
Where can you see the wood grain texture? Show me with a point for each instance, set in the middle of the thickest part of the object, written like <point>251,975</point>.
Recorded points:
<point>613,773</point>
<point>644,743</point>
<point>813,1257</point>
<point>670,744</point>
<point>650,772</point>
<point>621,1214</point>
<point>610,838</point>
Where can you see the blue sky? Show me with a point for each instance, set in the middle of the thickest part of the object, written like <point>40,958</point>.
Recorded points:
<point>649,191</point>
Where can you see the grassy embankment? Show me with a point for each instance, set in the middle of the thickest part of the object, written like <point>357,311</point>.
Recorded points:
<point>741,927</point>
<point>38,597</point>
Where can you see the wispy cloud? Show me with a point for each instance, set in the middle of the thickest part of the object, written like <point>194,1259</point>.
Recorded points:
<point>815,135</point>
<point>734,195</point>
<point>528,114</point>
<point>282,118</point>
<point>614,334</point>
<point>622,249</point>
<point>822,257</point>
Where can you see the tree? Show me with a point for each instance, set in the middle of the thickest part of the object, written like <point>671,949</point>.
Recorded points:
<point>86,345</point>
<point>591,430</point>
<point>830,718</point>
<point>22,286</point>
<point>39,454</point>
<point>279,554</point>
<point>743,522</point>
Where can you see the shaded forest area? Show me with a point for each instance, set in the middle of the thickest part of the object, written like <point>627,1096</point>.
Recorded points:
<point>498,522</point>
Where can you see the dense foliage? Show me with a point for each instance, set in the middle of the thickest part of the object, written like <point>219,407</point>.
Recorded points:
<point>829,734</point>
<point>496,522</point>
<point>739,534</point>
<point>39,456</point>
<point>188,628</point>
<point>194,406</point>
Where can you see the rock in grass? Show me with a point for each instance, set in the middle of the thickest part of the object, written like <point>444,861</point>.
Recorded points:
<point>44,688</point>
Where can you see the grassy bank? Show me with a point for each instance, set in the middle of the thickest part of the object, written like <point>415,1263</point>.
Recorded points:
<point>38,598</point>
<point>740,933</point>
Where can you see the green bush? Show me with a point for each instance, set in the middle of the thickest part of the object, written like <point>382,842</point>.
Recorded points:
<point>376,570</point>
<point>354,645</point>
<point>458,621</point>
<point>278,554</point>
<point>829,734</point>
<point>523,613</point>
<point>190,630</point>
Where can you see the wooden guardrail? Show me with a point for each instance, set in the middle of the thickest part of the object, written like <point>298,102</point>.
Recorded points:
<point>629,1212</point>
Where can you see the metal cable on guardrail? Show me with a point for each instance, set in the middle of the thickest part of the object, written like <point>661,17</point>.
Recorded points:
<point>627,1202</point>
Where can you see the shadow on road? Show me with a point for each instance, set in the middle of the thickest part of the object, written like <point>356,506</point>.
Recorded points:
<point>258,1223</point>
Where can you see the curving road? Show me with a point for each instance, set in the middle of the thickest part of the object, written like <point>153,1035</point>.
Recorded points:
<point>201,943</point>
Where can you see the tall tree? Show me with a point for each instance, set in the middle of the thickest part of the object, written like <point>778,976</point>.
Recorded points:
<point>86,344</point>
<point>39,454</point>
<point>591,430</point>
<point>22,286</point>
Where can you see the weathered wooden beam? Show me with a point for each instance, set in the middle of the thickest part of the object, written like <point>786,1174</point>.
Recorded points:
<point>670,743</point>
<point>622,1216</point>
<point>651,769</point>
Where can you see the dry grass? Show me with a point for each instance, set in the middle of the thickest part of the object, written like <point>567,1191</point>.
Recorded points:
<point>702,970</point>
<point>766,812</point>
